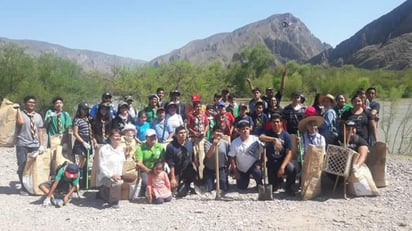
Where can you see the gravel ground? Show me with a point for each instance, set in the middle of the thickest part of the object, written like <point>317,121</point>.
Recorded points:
<point>390,211</point>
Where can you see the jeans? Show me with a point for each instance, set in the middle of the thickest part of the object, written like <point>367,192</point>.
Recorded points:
<point>291,171</point>
<point>210,177</point>
<point>21,156</point>
<point>143,176</point>
<point>244,177</point>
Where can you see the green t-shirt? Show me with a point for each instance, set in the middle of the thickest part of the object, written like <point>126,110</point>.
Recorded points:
<point>150,155</point>
<point>52,128</point>
<point>212,123</point>
<point>60,176</point>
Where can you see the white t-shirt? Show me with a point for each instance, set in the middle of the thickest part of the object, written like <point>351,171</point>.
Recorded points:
<point>110,162</point>
<point>246,152</point>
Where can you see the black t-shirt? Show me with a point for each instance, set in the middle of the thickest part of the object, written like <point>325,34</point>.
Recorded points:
<point>271,153</point>
<point>179,156</point>
<point>361,121</point>
<point>355,142</point>
<point>292,118</point>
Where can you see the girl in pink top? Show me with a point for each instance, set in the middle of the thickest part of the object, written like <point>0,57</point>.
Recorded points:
<point>158,185</point>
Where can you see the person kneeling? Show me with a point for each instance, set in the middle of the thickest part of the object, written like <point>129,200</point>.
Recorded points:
<point>66,180</point>
<point>158,185</point>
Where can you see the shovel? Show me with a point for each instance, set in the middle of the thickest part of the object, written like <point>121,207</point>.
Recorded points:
<point>265,190</point>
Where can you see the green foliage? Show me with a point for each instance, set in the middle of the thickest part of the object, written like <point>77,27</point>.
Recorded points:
<point>48,76</point>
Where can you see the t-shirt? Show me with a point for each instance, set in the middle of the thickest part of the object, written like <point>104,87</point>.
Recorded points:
<point>53,128</point>
<point>24,135</point>
<point>60,176</point>
<point>179,156</point>
<point>223,150</point>
<point>293,115</point>
<point>83,128</point>
<point>150,155</point>
<point>141,130</point>
<point>361,120</point>
<point>246,152</point>
<point>174,120</point>
<point>259,123</point>
<point>271,153</point>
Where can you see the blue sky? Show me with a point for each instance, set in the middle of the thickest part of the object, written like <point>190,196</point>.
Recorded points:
<point>147,29</point>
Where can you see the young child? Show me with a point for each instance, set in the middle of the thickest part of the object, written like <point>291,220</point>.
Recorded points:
<point>66,181</point>
<point>158,185</point>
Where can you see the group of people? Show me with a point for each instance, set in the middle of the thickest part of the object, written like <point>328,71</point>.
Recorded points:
<point>175,144</point>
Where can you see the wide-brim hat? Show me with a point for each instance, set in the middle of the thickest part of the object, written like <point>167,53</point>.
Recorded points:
<point>317,119</point>
<point>129,127</point>
<point>327,96</point>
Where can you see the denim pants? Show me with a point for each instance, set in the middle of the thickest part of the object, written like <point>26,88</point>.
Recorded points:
<point>158,201</point>
<point>143,176</point>
<point>291,171</point>
<point>244,177</point>
<point>210,177</point>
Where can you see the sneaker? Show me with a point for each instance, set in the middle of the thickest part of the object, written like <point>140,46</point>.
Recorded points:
<point>115,205</point>
<point>24,193</point>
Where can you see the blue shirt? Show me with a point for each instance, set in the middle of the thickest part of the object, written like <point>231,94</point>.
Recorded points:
<point>141,130</point>
<point>162,133</point>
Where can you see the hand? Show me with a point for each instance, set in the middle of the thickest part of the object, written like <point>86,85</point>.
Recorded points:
<point>41,149</point>
<point>51,114</point>
<point>173,183</point>
<point>86,145</point>
<point>16,105</point>
<point>66,199</point>
<point>166,168</point>
<point>281,172</point>
<point>278,144</point>
<point>248,80</point>
<point>46,202</point>
<point>116,177</point>
<point>236,173</point>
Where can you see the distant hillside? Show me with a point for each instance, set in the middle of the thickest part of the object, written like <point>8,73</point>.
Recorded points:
<point>285,35</point>
<point>89,60</point>
<point>384,43</point>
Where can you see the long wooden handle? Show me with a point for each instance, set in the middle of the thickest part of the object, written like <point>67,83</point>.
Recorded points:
<point>217,172</point>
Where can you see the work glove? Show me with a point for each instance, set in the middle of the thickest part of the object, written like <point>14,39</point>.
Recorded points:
<point>86,145</point>
<point>16,105</point>
<point>46,202</point>
<point>41,149</point>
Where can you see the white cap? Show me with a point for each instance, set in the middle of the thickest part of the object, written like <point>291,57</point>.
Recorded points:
<point>150,132</point>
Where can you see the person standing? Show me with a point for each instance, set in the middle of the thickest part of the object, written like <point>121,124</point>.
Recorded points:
<point>57,122</point>
<point>29,135</point>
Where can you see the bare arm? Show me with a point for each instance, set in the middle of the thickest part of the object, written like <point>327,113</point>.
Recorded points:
<point>363,153</point>
<point>249,81</point>
<point>20,120</point>
<point>142,166</point>
<point>282,83</point>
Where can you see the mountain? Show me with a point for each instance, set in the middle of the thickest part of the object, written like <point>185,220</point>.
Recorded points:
<point>285,35</point>
<point>89,60</point>
<point>384,43</point>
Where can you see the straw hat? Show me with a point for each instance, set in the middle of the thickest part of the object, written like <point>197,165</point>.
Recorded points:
<point>317,119</point>
<point>327,96</point>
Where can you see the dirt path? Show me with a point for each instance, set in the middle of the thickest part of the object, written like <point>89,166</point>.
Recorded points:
<point>390,211</point>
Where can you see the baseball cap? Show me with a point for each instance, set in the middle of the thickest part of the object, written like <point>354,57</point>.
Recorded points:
<point>242,124</point>
<point>127,98</point>
<point>150,132</point>
<point>195,98</point>
<point>107,95</point>
<point>350,123</point>
<point>83,105</point>
<point>129,126</point>
<point>221,104</point>
<point>72,171</point>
